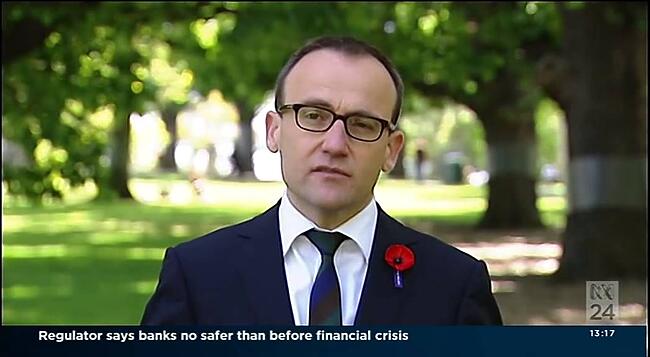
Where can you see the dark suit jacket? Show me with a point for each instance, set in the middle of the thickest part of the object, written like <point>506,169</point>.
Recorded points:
<point>236,276</point>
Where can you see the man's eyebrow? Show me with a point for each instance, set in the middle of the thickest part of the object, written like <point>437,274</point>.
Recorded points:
<point>326,104</point>
<point>318,102</point>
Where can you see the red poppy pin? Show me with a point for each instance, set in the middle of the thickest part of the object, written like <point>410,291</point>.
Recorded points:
<point>400,258</point>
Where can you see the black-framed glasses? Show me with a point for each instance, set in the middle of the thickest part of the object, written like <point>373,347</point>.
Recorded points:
<point>318,119</point>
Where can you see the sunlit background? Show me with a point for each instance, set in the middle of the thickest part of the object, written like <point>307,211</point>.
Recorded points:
<point>186,88</point>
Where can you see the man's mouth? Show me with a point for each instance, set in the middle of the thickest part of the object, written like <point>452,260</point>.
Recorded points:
<point>330,170</point>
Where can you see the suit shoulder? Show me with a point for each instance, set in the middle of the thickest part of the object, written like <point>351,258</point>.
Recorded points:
<point>435,246</point>
<point>223,237</point>
<point>434,255</point>
<point>427,244</point>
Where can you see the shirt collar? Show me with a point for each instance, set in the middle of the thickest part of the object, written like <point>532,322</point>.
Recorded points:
<point>360,228</point>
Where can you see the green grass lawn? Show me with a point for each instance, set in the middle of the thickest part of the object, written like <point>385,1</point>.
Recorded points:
<point>98,263</point>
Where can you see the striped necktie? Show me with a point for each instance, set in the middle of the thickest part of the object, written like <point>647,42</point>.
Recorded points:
<point>325,300</point>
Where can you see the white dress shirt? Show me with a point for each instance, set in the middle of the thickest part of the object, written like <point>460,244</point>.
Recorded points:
<point>302,259</point>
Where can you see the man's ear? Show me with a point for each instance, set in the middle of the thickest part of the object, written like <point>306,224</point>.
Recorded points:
<point>394,147</point>
<point>273,131</point>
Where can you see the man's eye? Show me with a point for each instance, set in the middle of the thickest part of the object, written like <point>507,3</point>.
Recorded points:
<point>365,124</point>
<point>361,125</point>
<point>313,115</point>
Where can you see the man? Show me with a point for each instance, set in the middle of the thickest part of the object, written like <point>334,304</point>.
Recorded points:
<point>318,256</point>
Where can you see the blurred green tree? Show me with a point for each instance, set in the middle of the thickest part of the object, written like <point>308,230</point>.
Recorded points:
<point>483,56</point>
<point>73,73</point>
<point>65,84</point>
<point>459,52</point>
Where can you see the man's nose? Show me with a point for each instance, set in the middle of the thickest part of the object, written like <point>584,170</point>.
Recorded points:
<point>336,139</point>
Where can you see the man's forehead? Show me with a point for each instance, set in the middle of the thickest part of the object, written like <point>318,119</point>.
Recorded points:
<point>328,73</point>
<point>332,57</point>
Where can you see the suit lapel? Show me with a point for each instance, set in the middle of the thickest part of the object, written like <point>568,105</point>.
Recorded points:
<point>264,276</point>
<point>263,270</point>
<point>381,302</point>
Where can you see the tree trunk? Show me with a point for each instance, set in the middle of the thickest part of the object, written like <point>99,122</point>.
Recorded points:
<point>243,155</point>
<point>116,184</point>
<point>506,110</point>
<point>167,160</point>
<point>605,103</point>
<point>505,106</point>
<point>120,161</point>
<point>512,199</point>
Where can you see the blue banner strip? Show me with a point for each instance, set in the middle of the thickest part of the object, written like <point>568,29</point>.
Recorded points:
<point>393,341</point>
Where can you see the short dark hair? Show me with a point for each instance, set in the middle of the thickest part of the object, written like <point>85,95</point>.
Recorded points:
<point>348,46</point>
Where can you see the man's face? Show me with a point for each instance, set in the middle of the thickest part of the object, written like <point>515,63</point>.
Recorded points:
<point>330,170</point>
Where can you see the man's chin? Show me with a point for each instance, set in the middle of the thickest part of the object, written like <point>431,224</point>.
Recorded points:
<point>335,202</point>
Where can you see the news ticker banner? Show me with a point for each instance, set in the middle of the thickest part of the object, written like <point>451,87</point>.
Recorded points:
<point>393,341</point>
